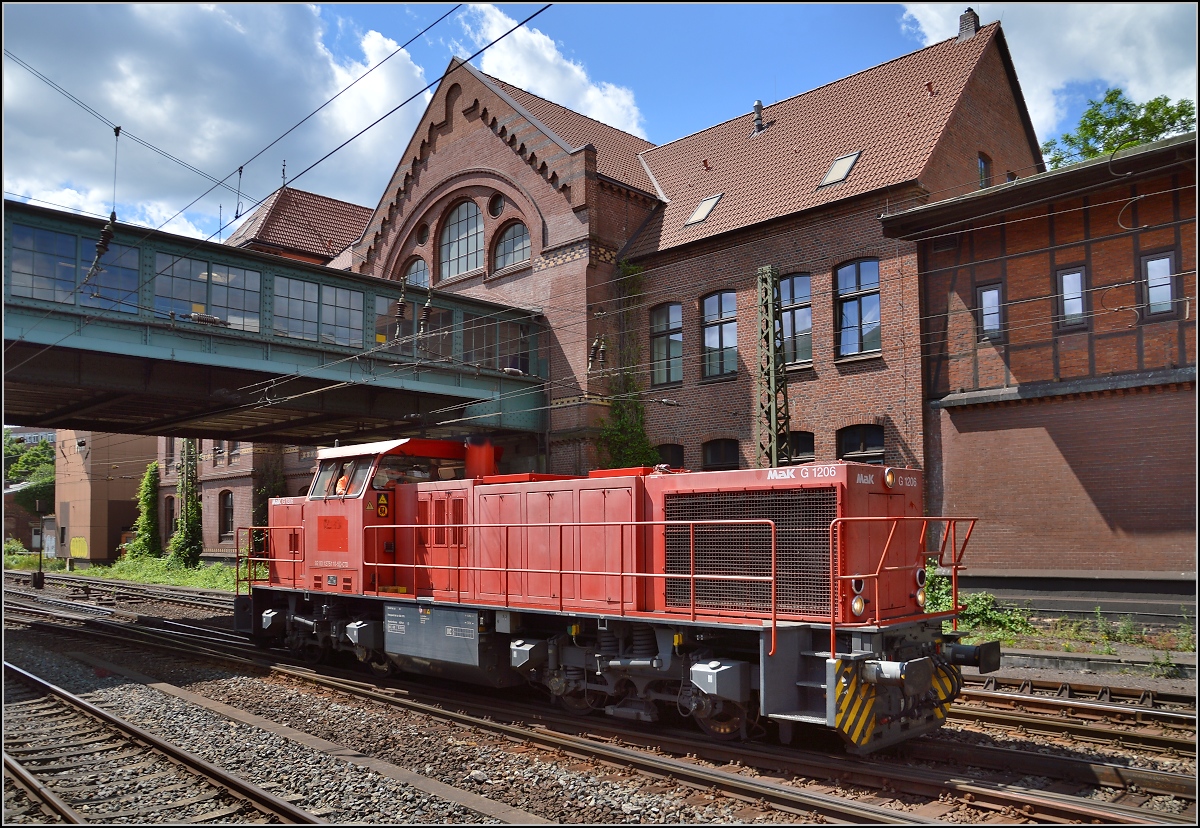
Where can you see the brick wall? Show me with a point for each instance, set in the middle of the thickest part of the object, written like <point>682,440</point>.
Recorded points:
<point>987,120</point>
<point>1023,251</point>
<point>831,393</point>
<point>1083,484</point>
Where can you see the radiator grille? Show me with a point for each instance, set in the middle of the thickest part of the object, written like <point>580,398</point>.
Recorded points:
<point>802,518</point>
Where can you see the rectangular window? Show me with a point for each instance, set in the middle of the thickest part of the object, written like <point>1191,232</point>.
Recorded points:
<point>438,339</point>
<point>1071,304</point>
<point>341,316</point>
<point>115,285</point>
<point>44,264</point>
<point>989,311</point>
<point>391,334</point>
<point>514,346</point>
<point>479,340</point>
<point>180,285</point>
<point>235,296</point>
<point>795,296</point>
<point>666,344</point>
<point>1160,293</point>
<point>858,308</point>
<point>719,334</point>
<point>985,171</point>
<point>296,308</point>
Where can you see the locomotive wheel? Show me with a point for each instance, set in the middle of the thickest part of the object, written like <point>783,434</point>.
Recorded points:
<point>311,652</point>
<point>382,667</point>
<point>576,703</point>
<point>724,725</point>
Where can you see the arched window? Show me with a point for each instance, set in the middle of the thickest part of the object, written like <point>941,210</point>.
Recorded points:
<point>417,274</point>
<point>719,333</point>
<point>861,444</point>
<point>671,454</point>
<point>666,344</point>
<point>721,454</point>
<point>462,241</point>
<point>802,446</point>
<point>225,501</point>
<point>513,247</point>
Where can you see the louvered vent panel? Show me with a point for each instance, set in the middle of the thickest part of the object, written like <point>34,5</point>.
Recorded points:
<point>802,518</point>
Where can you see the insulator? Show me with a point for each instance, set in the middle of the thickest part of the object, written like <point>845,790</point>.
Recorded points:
<point>600,355</point>
<point>426,314</point>
<point>400,311</point>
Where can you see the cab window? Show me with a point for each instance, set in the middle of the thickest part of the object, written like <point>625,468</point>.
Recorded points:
<point>341,478</point>
<point>396,469</point>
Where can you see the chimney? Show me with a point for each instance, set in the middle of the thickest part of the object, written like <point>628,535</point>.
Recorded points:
<point>758,124</point>
<point>968,25</point>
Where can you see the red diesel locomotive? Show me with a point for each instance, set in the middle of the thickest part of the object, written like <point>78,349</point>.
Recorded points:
<point>786,595</point>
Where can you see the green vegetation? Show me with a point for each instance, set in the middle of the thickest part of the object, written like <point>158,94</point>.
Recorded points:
<point>623,442</point>
<point>1115,122</point>
<point>187,544</point>
<point>985,618</point>
<point>34,464</point>
<point>165,571</point>
<point>146,543</point>
<point>29,561</point>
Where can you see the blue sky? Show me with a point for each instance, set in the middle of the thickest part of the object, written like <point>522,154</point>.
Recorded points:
<point>213,85</point>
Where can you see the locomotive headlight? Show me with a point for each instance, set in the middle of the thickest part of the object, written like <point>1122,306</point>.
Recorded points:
<point>920,574</point>
<point>859,605</point>
<point>921,597</point>
<point>889,478</point>
<point>857,585</point>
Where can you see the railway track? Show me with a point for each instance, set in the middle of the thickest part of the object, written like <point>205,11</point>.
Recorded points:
<point>946,791</point>
<point>101,590</point>
<point>78,763</point>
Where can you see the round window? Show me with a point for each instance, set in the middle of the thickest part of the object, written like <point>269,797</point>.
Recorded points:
<point>423,234</point>
<point>496,205</point>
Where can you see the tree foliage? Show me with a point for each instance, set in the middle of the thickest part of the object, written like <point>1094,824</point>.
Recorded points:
<point>622,441</point>
<point>146,541</point>
<point>25,459</point>
<point>187,544</point>
<point>38,497</point>
<point>1115,122</point>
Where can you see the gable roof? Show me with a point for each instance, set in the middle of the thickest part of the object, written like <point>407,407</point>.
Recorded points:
<point>302,221</point>
<point>616,150</point>
<point>887,113</point>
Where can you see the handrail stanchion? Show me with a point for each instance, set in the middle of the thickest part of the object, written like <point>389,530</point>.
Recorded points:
<point>835,540</point>
<point>692,570</point>
<point>774,604</point>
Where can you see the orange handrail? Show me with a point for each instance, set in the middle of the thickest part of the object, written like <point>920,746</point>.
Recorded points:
<point>836,544</point>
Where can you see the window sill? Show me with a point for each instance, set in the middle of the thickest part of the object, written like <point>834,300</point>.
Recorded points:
<point>858,357</point>
<point>718,379</point>
<point>799,366</point>
<point>673,384</point>
<point>461,277</point>
<point>510,270</point>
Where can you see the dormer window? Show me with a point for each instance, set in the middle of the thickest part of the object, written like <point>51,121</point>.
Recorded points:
<point>703,209</point>
<point>840,168</point>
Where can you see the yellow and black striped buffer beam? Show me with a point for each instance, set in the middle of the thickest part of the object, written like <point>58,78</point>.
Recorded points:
<point>944,682</point>
<point>853,708</point>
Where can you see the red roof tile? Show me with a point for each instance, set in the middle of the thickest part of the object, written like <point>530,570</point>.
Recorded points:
<point>886,112</point>
<point>303,221</point>
<point>616,150</point>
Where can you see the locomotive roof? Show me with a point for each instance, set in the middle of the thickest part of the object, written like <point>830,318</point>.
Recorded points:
<point>382,447</point>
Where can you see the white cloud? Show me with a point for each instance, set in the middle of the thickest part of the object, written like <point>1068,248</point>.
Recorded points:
<point>212,85</point>
<point>530,60</point>
<point>1148,49</point>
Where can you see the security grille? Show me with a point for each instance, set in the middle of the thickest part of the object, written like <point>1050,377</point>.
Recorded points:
<point>802,518</point>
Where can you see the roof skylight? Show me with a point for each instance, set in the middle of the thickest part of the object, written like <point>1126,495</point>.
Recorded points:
<point>703,209</point>
<point>840,169</point>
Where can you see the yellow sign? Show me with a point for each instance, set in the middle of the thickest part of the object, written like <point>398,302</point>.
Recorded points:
<point>381,508</point>
<point>79,547</point>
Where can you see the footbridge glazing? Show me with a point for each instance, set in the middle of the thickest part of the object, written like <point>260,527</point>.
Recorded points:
<point>177,337</point>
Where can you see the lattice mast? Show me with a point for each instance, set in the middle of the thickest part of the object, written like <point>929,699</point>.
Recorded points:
<point>774,448</point>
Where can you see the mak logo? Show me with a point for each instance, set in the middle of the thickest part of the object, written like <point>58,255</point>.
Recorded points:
<point>781,474</point>
<point>869,479</point>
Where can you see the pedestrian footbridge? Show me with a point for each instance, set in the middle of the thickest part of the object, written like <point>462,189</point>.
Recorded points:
<point>172,336</point>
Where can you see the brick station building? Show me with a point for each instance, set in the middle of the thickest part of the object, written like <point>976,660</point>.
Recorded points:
<point>1058,337</point>
<point>509,197</point>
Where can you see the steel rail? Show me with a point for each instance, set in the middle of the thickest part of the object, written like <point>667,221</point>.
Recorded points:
<point>1089,692</point>
<point>261,799</point>
<point>1084,709</point>
<point>1084,731</point>
<point>39,791</point>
